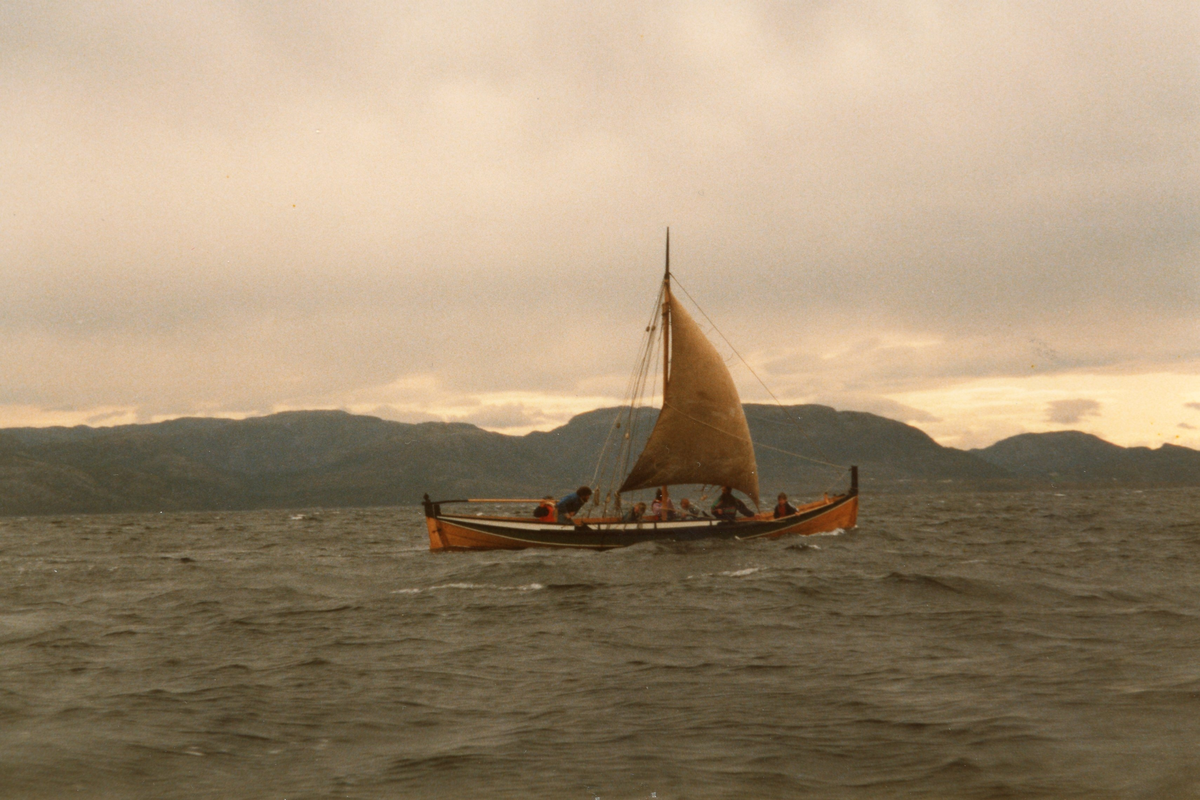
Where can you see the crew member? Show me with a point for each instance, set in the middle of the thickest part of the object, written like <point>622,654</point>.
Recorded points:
<point>728,507</point>
<point>782,507</point>
<point>689,511</point>
<point>661,510</point>
<point>569,506</point>
<point>545,509</point>
<point>637,513</point>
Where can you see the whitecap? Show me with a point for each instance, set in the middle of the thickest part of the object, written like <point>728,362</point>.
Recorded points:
<point>527,587</point>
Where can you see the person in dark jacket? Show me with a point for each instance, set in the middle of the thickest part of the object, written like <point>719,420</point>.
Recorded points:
<point>569,506</point>
<point>728,507</point>
<point>783,508</point>
<point>636,514</point>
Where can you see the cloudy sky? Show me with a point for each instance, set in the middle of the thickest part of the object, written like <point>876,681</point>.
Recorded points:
<point>979,218</point>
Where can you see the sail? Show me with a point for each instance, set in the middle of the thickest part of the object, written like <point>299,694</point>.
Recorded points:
<point>701,435</point>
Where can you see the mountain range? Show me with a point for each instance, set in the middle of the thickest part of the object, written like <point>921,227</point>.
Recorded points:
<point>305,459</point>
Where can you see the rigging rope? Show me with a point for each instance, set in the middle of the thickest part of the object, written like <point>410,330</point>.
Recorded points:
<point>628,417</point>
<point>683,413</point>
<point>787,416</point>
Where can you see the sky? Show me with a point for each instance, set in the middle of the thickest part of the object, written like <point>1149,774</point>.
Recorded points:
<point>981,219</point>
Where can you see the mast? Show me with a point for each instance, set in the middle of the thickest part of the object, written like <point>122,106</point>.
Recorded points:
<point>666,313</point>
<point>666,328</point>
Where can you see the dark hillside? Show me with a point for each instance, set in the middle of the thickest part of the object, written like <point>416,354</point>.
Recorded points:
<point>571,451</point>
<point>331,458</point>
<point>447,460</point>
<point>1071,457</point>
<point>888,453</point>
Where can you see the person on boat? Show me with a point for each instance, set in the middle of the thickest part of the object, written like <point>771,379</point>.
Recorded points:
<point>661,510</point>
<point>569,506</point>
<point>545,509</point>
<point>688,510</point>
<point>728,507</point>
<point>636,514</point>
<point>783,508</point>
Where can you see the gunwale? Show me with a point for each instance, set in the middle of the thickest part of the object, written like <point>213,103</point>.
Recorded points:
<point>463,532</point>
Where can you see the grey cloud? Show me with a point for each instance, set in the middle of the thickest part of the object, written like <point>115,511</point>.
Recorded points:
<point>1068,412</point>
<point>878,405</point>
<point>237,204</point>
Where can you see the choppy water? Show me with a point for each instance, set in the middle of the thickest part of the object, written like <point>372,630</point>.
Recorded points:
<point>1029,645</point>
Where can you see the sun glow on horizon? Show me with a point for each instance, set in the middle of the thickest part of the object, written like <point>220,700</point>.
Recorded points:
<point>1144,410</point>
<point>1127,410</point>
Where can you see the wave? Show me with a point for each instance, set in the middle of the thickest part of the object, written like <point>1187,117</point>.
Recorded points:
<point>731,573</point>
<point>949,584</point>
<point>528,587</point>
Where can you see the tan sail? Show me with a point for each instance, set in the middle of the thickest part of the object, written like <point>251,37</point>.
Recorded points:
<point>701,435</point>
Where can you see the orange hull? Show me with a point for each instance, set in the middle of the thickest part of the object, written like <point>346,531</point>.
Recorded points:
<point>843,517</point>
<point>452,532</point>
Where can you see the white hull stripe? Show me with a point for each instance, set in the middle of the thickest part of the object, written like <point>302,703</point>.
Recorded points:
<point>609,535</point>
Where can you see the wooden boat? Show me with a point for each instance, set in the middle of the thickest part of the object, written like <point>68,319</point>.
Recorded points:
<point>700,437</point>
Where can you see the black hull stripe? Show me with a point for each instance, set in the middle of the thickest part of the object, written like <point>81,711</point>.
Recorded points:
<point>614,536</point>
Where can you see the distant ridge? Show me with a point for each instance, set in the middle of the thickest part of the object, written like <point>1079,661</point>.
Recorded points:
<point>332,458</point>
<point>1071,457</point>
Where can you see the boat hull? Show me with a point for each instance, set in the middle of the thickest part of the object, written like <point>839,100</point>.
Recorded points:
<point>461,532</point>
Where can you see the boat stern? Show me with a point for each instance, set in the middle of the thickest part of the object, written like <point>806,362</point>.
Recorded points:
<point>437,537</point>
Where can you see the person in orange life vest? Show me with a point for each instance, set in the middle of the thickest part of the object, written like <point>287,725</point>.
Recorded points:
<point>545,509</point>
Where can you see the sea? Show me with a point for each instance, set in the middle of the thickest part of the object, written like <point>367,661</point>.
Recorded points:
<point>1032,645</point>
